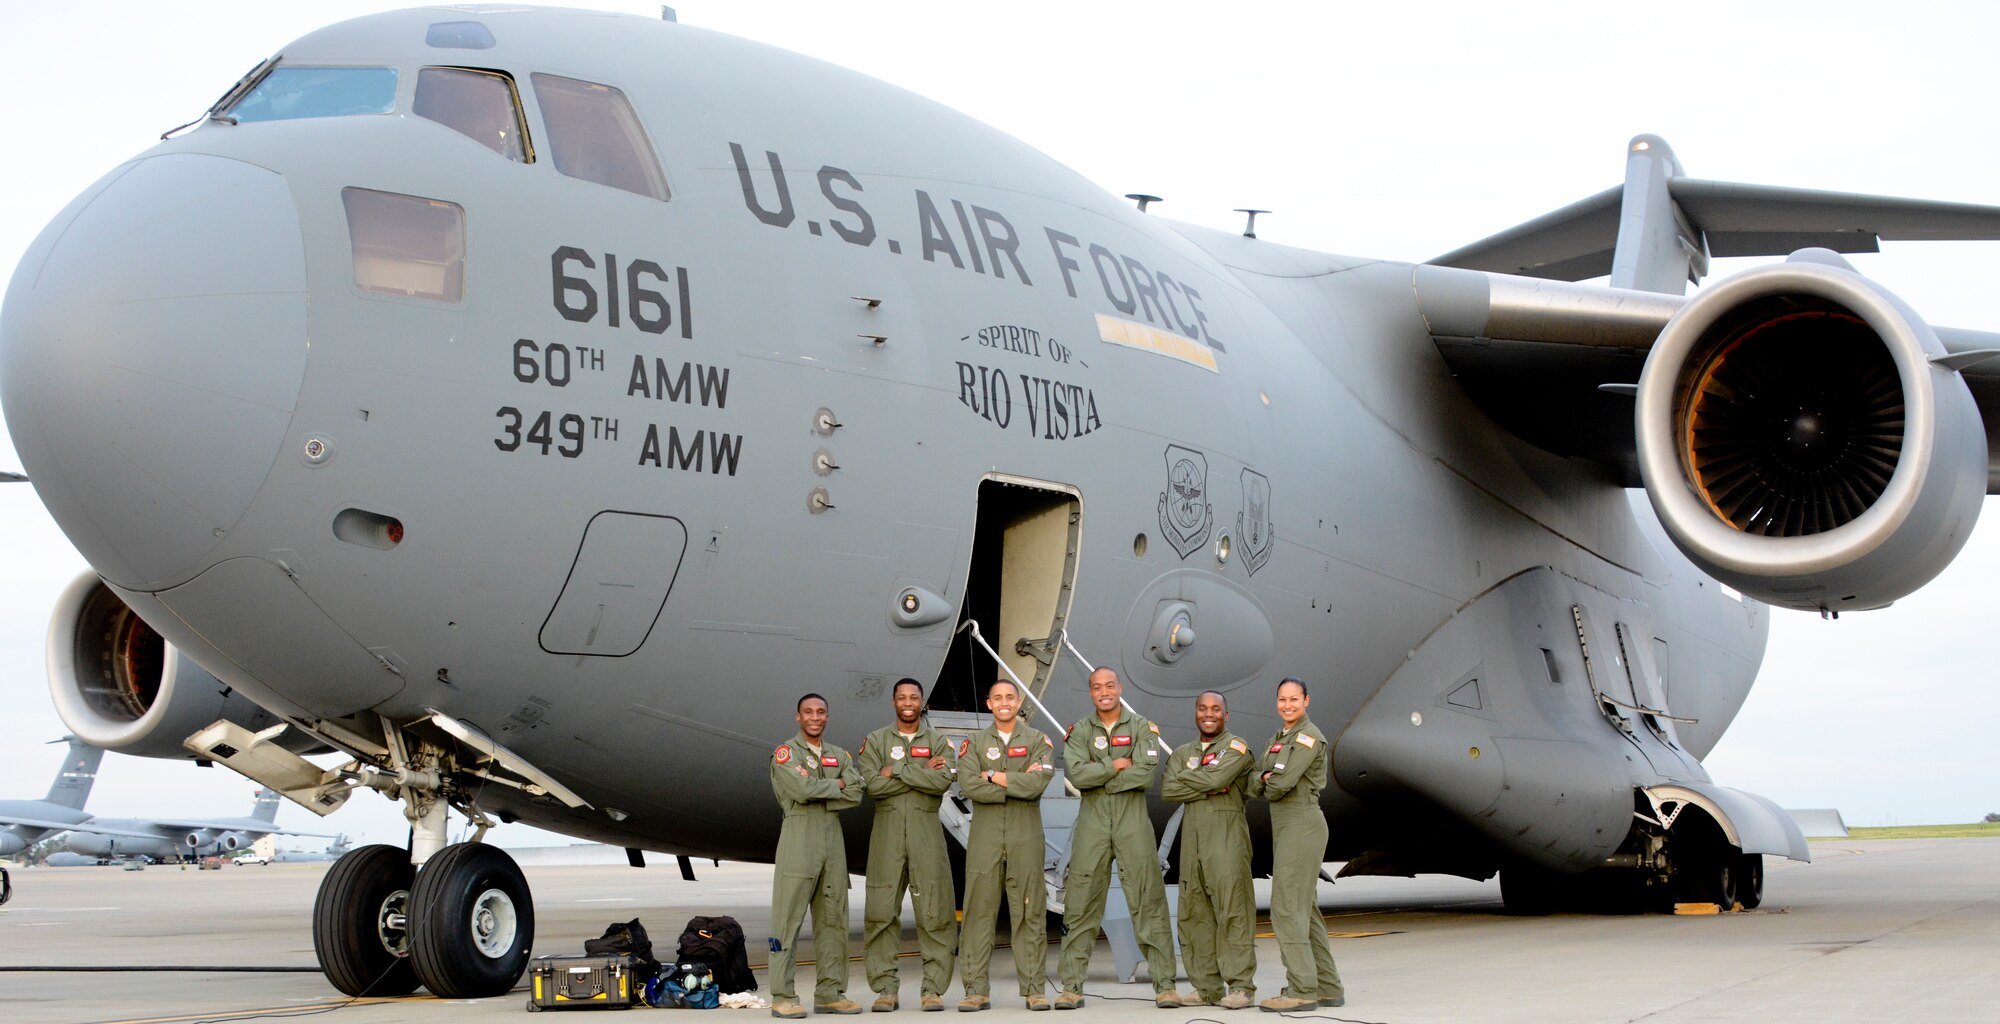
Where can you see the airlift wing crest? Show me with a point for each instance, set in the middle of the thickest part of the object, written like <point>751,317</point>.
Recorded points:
<point>1253,524</point>
<point>1185,514</point>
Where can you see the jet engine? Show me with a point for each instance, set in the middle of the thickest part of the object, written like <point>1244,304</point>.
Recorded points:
<point>232,841</point>
<point>90,844</point>
<point>11,844</point>
<point>1799,444</point>
<point>198,840</point>
<point>118,685</point>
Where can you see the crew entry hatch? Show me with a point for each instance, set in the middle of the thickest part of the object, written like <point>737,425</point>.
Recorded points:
<point>1018,588</point>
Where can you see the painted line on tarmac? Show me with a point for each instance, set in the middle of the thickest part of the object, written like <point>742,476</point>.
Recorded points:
<point>296,1009</point>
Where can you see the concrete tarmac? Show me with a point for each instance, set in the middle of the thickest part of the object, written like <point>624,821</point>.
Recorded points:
<point>1871,931</point>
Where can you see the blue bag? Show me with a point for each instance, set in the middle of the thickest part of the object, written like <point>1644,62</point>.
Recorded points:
<point>686,986</point>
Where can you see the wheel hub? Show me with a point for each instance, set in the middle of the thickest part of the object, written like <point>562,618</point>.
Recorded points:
<point>494,924</point>
<point>392,923</point>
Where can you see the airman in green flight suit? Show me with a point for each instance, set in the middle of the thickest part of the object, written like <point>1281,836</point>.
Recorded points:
<point>1111,757</point>
<point>907,768</point>
<point>1290,773</point>
<point>1218,910</point>
<point>1004,769</point>
<point>814,781</point>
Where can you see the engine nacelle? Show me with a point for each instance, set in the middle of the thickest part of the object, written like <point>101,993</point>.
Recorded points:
<point>118,685</point>
<point>90,844</point>
<point>233,841</point>
<point>1799,445</point>
<point>11,844</point>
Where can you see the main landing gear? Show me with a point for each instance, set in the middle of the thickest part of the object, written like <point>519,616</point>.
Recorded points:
<point>1687,860</point>
<point>462,926</point>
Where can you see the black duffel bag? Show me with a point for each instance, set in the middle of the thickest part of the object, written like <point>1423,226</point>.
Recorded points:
<point>626,937</point>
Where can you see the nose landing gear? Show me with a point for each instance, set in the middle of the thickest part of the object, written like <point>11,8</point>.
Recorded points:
<point>462,927</point>
<point>361,924</point>
<point>473,922</point>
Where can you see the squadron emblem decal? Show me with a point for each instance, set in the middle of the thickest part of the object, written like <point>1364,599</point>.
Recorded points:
<point>1185,514</point>
<point>1253,524</point>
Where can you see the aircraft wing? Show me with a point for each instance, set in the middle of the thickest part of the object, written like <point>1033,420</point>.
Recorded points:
<point>79,826</point>
<point>1556,363</point>
<point>1576,242</point>
<point>257,825</point>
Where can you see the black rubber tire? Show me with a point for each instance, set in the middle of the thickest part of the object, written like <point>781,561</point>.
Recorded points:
<point>1528,891</point>
<point>1750,880</point>
<point>1708,878</point>
<point>445,949</point>
<point>347,916</point>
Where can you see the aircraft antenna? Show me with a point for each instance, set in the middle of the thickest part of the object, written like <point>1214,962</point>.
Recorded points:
<point>1142,199</point>
<point>1250,221</point>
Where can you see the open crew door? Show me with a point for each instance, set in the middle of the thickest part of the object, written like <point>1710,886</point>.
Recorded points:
<point>1022,575</point>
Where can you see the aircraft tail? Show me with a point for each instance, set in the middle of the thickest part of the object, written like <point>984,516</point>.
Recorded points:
<point>79,770</point>
<point>1658,230</point>
<point>266,807</point>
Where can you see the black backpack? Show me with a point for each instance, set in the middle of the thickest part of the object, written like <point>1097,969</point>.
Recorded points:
<point>625,937</point>
<point>718,942</point>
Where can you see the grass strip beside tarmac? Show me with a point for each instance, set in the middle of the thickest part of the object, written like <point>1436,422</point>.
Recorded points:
<point>1976,830</point>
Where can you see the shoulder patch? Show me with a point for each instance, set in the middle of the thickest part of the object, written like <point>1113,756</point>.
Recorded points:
<point>1237,745</point>
<point>783,754</point>
<point>1049,742</point>
<point>963,746</point>
<point>1155,728</point>
<point>1066,732</point>
<point>1306,740</point>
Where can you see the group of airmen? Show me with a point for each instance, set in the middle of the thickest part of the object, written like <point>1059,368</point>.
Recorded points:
<point>1111,758</point>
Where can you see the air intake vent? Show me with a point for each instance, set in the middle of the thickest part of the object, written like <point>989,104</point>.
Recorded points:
<point>1794,427</point>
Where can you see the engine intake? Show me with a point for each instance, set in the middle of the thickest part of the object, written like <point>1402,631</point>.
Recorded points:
<point>119,685</point>
<point>1798,444</point>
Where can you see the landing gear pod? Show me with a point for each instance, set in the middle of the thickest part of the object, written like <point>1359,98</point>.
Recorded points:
<point>1798,443</point>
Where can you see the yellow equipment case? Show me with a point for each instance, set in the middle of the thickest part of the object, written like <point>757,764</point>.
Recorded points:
<point>609,982</point>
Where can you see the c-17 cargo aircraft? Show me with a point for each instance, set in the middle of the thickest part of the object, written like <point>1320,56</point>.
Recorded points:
<point>59,818</point>
<point>165,839</point>
<point>23,823</point>
<point>531,404</point>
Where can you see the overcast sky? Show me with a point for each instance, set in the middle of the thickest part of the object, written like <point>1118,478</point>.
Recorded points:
<point>1398,133</point>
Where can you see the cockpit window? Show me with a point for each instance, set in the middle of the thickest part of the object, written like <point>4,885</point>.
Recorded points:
<point>406,245</point>
<point>480,105</point>
<point>288,93</point>
<point>458,35</point>
<point>594,134</point>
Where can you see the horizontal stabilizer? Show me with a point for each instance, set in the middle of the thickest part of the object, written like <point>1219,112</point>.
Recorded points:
<point>1580,240</point>
<point>1761,220</point>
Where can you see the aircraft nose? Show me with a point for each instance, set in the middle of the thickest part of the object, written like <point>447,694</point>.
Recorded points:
<point>152,347</point>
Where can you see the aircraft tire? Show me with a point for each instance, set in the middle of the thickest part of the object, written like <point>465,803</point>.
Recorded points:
<point>1750,881</point>
<point>1708,878</point>
<point>472,922</point>
<point>357,937</point>
<point>1528,891</point>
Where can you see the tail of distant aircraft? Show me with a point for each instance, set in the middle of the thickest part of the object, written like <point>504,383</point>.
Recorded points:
<point>266,807</point>
<point>79,769</point>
